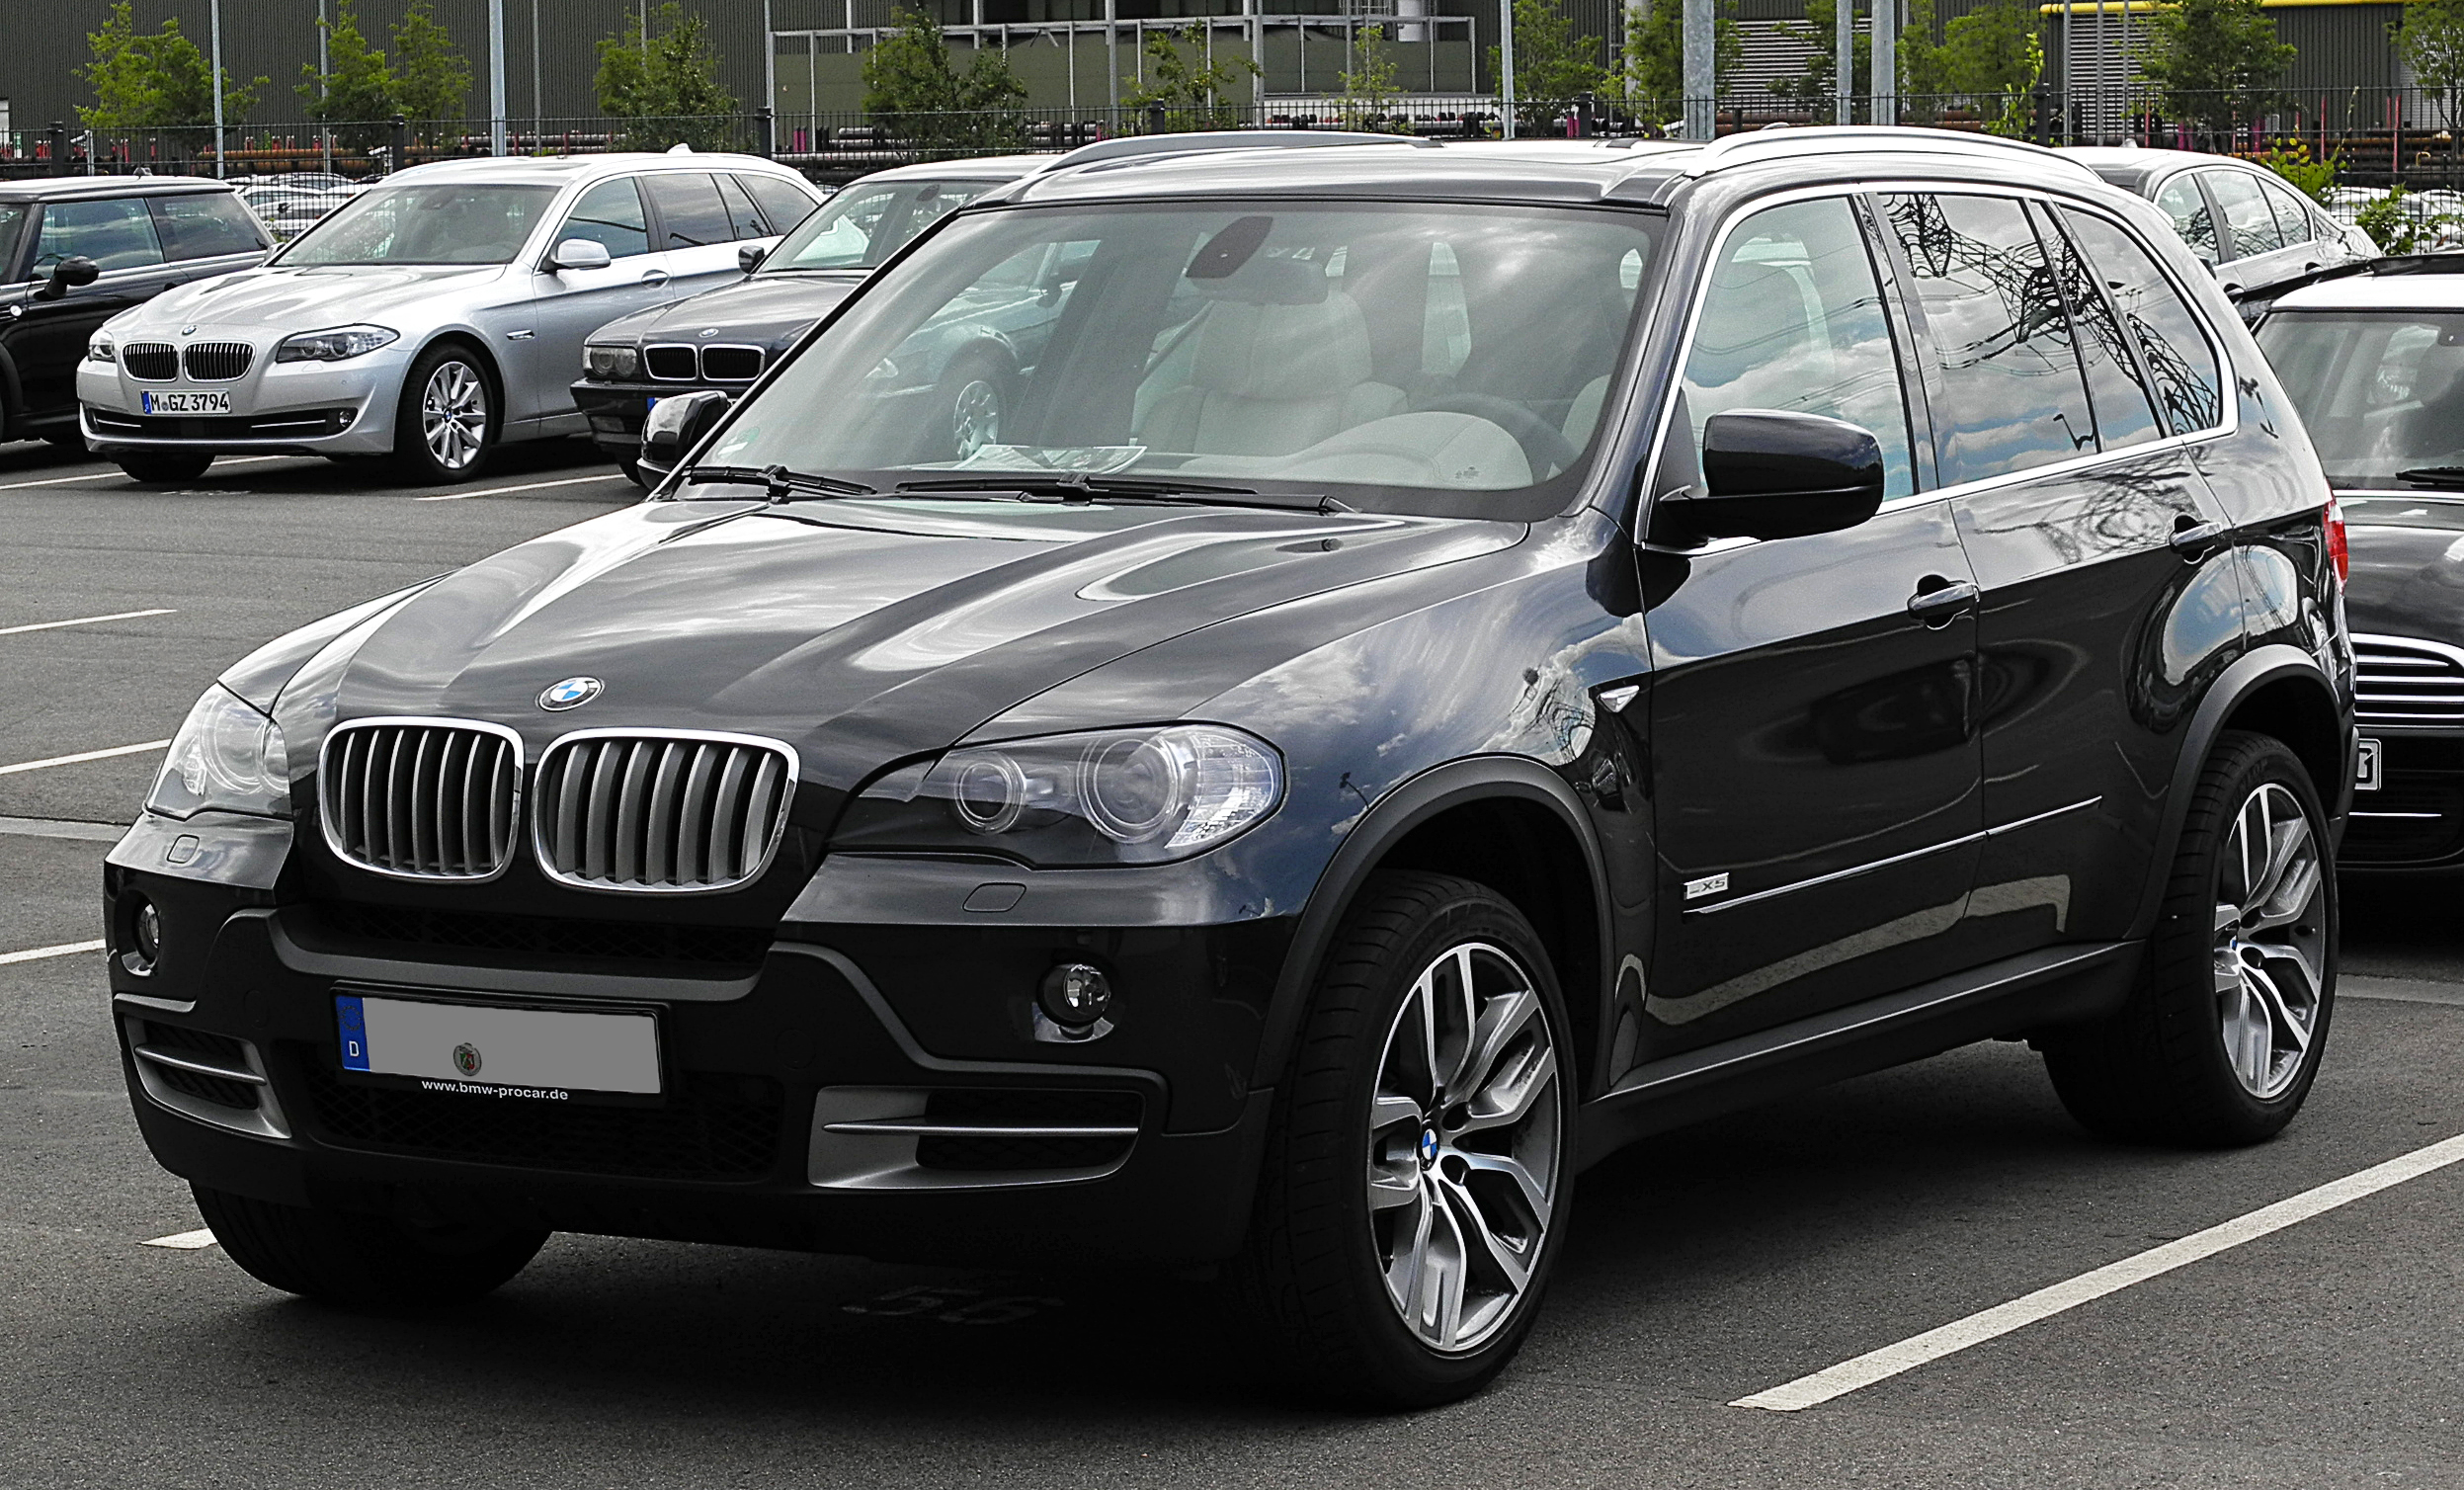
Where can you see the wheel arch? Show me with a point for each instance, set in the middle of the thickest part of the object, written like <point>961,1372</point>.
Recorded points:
<point>1506,821</point>
<point>489,367</point>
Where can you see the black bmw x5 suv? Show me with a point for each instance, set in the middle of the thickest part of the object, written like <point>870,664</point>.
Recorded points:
<point>1454,659</point>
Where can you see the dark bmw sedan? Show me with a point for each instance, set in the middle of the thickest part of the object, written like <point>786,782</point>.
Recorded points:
<point>1455,660</point>
<point>722,339</point>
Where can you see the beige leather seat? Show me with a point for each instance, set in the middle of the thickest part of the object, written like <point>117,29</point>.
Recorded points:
<point>1281,363</point>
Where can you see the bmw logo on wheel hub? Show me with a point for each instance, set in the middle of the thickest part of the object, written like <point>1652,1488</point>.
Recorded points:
<point>572,693</point>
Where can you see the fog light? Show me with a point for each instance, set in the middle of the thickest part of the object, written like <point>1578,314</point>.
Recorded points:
<point>1076,994</point>
<point>145,936</point>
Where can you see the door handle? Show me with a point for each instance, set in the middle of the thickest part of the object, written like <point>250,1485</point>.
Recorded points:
<point>654,277</point>
<point>2193,539</point>
<point>1941,600</point>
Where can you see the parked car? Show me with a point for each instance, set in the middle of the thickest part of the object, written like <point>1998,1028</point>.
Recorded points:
<point>431,318</point>
<point>2257,234</point>
<point>289,211</point>
<point>723,338</point>
<point>2375,362</point>
<point>1460,658</point>
<point>76,250</point>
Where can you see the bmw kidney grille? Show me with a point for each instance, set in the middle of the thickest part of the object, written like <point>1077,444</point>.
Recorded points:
<point>218,362</point>
<point>660,810</point>
<point>421,798</point>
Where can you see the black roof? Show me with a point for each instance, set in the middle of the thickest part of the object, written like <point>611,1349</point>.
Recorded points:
<point>69,188</point>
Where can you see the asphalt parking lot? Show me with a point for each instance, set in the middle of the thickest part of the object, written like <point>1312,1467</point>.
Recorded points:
<point>1706,1267</point>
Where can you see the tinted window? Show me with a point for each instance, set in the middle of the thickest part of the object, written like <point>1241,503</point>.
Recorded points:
<point>2180,364</point>
<point>12,220</point>
<point>741,212</point>
<point>691,215</point>
<point>2122,404</point>
<point>782,205</point>
<point>205,226</point>
<point>115,234</point>
<point>2382,394</point>
<point>440,223</point>
<point>2248,226</point>
<point>1794,321</point>
<point>2292,215</point>
<point>2011,397</point>
<point>609,213</point>
<point>864,225</point>
<point>2180,201</point>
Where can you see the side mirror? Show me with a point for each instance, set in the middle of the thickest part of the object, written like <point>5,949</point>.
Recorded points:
<point>580,253</point>
<point>748,258</point>
<point>675,425</point>
<point>1770,474</point>
<point>72,272</point>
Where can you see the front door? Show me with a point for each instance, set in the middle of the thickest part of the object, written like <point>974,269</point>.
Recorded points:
<point>49,338</point>
<point>1813,741</point>
<point>567,305</point>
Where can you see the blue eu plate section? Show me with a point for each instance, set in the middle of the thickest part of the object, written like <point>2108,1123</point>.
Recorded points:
<point>145,401</point>
<point>354,1023</point>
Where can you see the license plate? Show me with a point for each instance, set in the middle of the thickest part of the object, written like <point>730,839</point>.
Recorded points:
<point>187,401</point>
<point>2365,771</point>
<point>492,1051</point>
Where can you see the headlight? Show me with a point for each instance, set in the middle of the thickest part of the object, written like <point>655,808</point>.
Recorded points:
<point>606,362</point>
<point>227,758</point>
<point>101,350</point>
<point>334,346</point>
<point>1111,798</point>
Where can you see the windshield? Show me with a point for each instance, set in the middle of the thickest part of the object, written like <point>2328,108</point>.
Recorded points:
<point>1404,358</point>
<point>864,225</point>
<point>2382,394</point>
<point>425,225</point>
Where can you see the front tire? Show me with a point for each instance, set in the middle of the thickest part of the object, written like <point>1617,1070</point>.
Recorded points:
<point>164,467</point>
<point>1419,1167</point>
<point>446,423</point>
<point>972,398</point>
<point>2221,1042</point>
<point>346,1258</point>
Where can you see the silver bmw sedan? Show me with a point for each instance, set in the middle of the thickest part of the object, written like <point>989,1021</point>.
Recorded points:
<point>426,320</point>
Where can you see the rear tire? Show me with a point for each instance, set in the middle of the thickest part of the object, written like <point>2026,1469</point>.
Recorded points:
<point>1408,1217</point>
<point>2220,1042</point>
<point>164,467</point>
<point>346,1258</point>
<point>446,423</point>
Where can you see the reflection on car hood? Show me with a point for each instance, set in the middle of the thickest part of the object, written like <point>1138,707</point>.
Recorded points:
<point>305,299</point>
<point>2407,580</point>
<point>764,309</point>
<point>858,632</point>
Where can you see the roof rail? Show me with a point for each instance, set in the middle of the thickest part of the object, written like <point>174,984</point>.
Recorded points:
<point>1204,141</point>
<point>1788,142</point>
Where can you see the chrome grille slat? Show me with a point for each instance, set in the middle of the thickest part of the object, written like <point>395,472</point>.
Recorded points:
<point>2408,682</point>
<point>421,798</point>
<point>150,362</point>
<point>662,810</point>
<point>217,361</point>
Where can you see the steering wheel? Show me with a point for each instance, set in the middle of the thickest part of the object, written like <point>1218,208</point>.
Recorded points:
<point>1544,446</point>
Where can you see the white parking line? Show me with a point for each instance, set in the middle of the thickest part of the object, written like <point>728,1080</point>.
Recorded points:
<point>1888,1361</point>
<point>182,1241</point>
<point>37,953</point>
<point>82,621</point>
<point>61,827</point>
<point>498,491</point>
<point>85,755</point>
<point>102,474</point>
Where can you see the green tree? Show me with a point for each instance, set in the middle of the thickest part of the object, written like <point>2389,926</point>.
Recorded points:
<point>1196,93</point>
<point>665,84</point>
<point>1655,53</point>
<point>1369,84</point>
<point>2431,39</point>
<point>2215,61</point>
<point>2314,179</point>
<point>158,80</point>
<point>1553,66</point>
<point>1812,90</point>
<point>357,88</point>
<point>913,90</point>
<point>431,79</point>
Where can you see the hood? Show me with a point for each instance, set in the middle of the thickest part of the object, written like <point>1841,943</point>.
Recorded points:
<point>303,299</point>
<point>861,633</point>
<point>2407,567</point>
<point>763,309</point>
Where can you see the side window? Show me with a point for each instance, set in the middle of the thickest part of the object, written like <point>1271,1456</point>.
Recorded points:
<point>2179,200</point>
<point>741,212</point>
<point>1794,320</point>
<point>2292,213</point>
<point>205,225</point>
<point>783,205</point>
<point>2125,409</point>
<point>691,215</point>
<point>118,233</point>
<point>2012,395</point>
<point>2248,226</point>
<point>609,213</point>
<point>2189,390</point>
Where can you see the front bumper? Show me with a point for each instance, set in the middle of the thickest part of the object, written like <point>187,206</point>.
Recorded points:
<point>763,1060</point>
<point>305,408</point>
<point>2414,820</point>
<point>617,410</point>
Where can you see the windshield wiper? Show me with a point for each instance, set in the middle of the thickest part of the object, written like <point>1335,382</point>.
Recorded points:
<point>1083,488</point>
<point>781,483</point>
<point>2433,475</point>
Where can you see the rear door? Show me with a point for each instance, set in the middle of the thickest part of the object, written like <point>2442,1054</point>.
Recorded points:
<point>2257,256</point>
<point>697,233</point>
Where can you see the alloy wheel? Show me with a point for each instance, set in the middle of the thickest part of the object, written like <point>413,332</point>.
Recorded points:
<point>1465,1146</point>
<point>974,417</point>
<point>2271,940</point>
<point>453,415</point>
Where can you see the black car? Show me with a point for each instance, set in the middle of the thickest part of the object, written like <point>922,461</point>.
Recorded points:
<point>1459,658</point>
<point>74,252</point>
<point>722,339</point>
